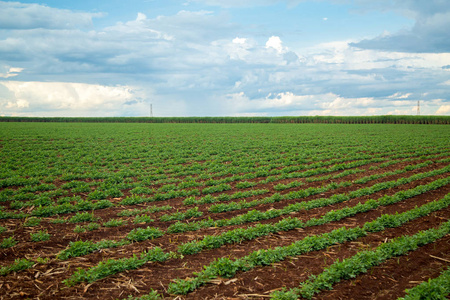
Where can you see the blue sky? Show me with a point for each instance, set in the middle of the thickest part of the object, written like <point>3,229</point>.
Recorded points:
<point>224,58</point>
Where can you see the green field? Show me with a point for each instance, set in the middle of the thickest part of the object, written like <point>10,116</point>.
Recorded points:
<point>182,209</point>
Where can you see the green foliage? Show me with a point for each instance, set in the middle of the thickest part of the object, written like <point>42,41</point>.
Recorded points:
<point>153,295</point>
<point>81,248</point>
<point>78,248</point>
<point>31,222</point>
<point>150,209</point>
<point>245,184</point>
<point>79,229</point>
<point>83,217</point>
<point>364,260</point>
<point>142,234</point>
<point>216,189</point>
<point>58,221</point>
<point>190,213</point>
<point>97,195</point>
<point>386,119</point>
<point>134,199</point>
<point>142,190</point>
<point>40,236</point>
<point>114,223</point>
<point>8,242</point>
<point>88,227</point>
<point>18,265</point>
<point>433,289</point>
<point>142,219</point>
<point>112,266</point>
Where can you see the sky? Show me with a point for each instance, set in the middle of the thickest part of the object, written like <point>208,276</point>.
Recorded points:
<point>111,58</point>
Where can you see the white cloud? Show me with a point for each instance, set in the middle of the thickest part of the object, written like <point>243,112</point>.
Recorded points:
<point>240,41</point>
<point>275,43</point>
<point>11,72</point>
<point>67,98</point>
<point>400,96</point>
<point>443,110</point>
<point>288,103</point>
<point>16,15</point>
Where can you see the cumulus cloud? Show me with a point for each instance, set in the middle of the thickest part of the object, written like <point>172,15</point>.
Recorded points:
<point>16,15</point>
<point>275,42</point>
<point>69,99</point>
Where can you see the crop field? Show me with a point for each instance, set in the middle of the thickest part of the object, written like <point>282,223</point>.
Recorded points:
<point>224,211</point>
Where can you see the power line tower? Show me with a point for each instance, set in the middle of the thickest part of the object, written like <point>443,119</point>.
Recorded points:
<point>418,108</point>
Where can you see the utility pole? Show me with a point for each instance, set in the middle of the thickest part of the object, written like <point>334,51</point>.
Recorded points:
<point>418,108</point>
<point>151,111</point>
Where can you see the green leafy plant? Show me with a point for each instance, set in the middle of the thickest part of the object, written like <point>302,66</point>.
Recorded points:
<point>83,217</point>
<point>8,242</point>
<point>18,265</point>
<point>111,266</point>
<point>190,213</point>
<point>142,234</point>
<point>40,236</point>
<point>89,227</point>
<point>31,222</point>
<point>142,219</point>
<point>114,223</point>
<point>436,288</point>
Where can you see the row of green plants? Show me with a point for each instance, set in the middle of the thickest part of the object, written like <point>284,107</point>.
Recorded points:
<point>277,197</point>
<point>226,197</point>
<point>225,267</point>
<point>387,119</point>
<point>81,205</point>
<point>254,215</point>
<point>113,266</point>
<point>242,234</point>
<point>112,185</point>
<point>249,217</point>
<point>42,210</point>
<point>81,248</point>
<point>68,147</point>
<point>86,205</point>
<point>21,264</point>
<point>436,288</point>
<point>85,172</point>
<point>362,262</point>
<point>239,235</point>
